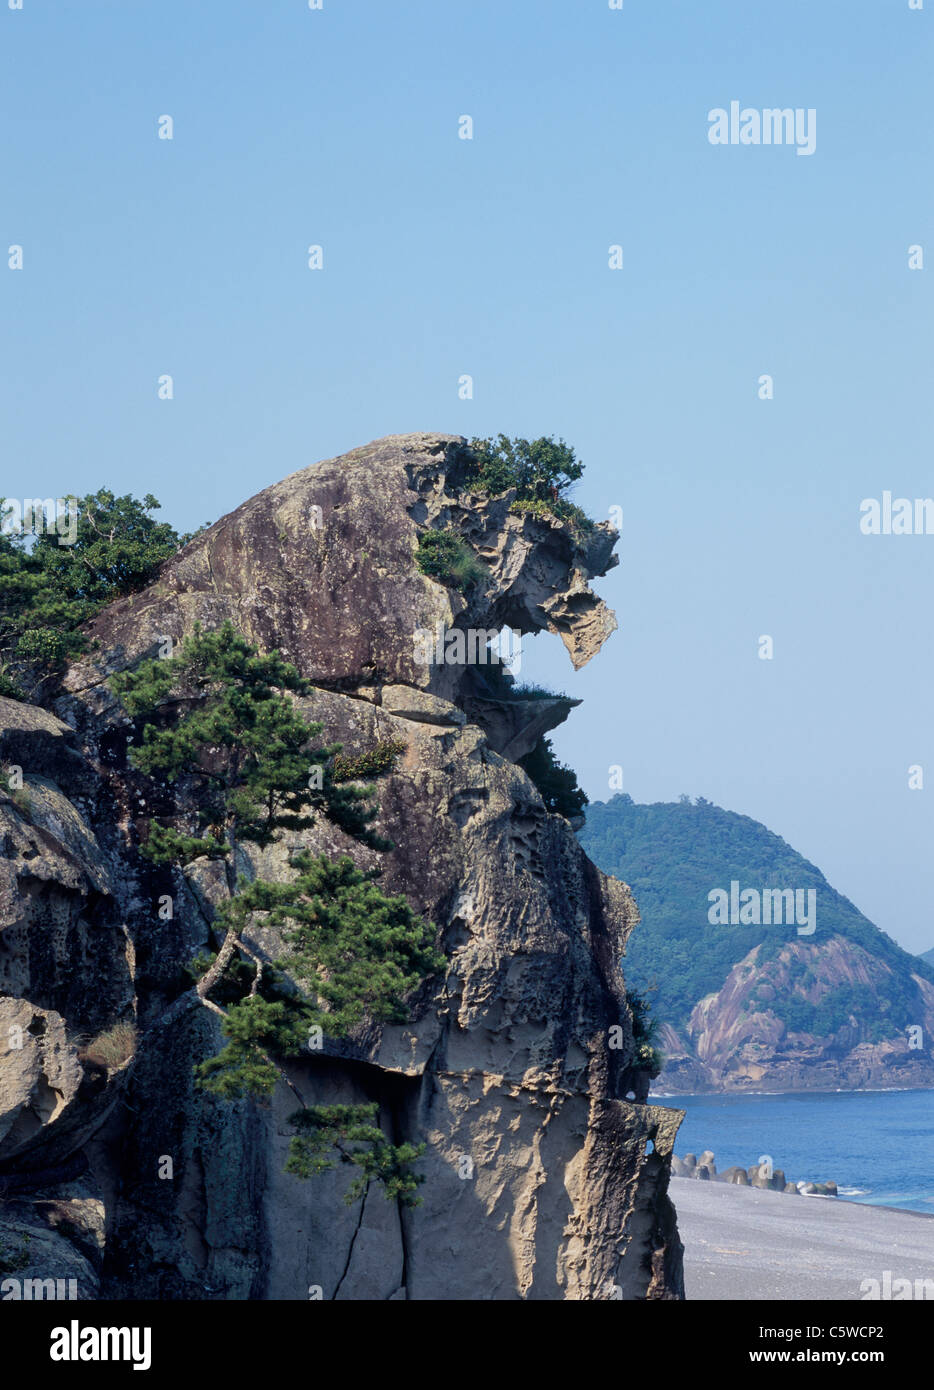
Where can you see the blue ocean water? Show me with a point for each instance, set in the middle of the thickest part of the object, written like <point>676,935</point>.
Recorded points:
<point>878,1146</point>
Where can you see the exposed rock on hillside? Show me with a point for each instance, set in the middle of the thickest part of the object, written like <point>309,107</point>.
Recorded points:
<point>738,1044</point>
<point>543,1180</point>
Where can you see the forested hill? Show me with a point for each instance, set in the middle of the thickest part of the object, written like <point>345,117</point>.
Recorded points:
<point>672,854</point>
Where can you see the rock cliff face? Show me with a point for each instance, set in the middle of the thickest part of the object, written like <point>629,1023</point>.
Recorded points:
<point>546,1170</point>
<point>734,1042</point>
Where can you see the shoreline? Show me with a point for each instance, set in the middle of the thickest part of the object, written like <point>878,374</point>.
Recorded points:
<point>832,1142</point>
<point>751,1244</point>
<point>809,1197</point>
<point>809,1091</point>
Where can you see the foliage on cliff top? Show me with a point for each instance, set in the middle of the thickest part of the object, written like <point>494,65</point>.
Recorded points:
<point>672,854</point>
<point>48,590</point>
<point>541,470</point>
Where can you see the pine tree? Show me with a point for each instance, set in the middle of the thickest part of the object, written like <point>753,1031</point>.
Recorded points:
<point>223,722</point>
<point>556,781</point>
<point>48,589</point>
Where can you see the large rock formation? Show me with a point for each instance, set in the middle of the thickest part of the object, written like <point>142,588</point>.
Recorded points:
<point>546,1170</point>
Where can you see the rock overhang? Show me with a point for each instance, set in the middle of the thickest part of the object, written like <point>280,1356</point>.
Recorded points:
<point>322,566</point>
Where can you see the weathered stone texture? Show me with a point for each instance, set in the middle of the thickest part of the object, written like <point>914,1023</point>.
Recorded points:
<point>545,1170</point>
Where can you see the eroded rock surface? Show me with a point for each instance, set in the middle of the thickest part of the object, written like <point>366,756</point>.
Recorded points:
<point>545,1170</point>
<point>321,567</point>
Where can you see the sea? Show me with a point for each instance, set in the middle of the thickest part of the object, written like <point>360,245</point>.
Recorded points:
<point>877,1146</point>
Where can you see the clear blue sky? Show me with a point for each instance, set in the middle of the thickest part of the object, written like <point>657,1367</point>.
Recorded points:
<point>489,257</point>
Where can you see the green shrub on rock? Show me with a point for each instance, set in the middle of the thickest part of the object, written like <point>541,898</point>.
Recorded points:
<point>443,555</point>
